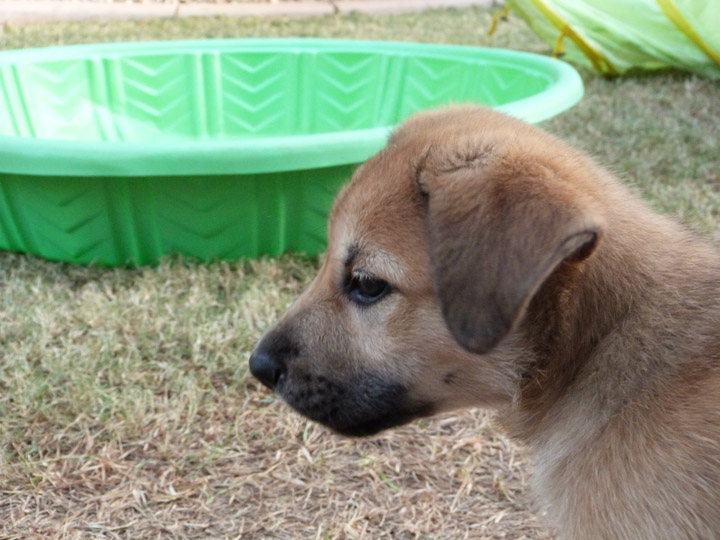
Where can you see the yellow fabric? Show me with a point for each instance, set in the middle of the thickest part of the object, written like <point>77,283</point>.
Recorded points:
<point>678,19</point>
<point>598,60</point>
<point>615,36</point>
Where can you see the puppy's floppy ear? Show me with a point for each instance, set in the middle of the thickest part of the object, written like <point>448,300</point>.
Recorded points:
<point>496,231</point>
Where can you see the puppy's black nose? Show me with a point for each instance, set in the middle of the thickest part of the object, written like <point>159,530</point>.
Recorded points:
<point>266,367</point>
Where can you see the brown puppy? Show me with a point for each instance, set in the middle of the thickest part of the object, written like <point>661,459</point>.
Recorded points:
<point>478,261</point>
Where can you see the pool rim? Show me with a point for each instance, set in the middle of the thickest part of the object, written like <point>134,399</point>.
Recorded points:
<point>264,154</point>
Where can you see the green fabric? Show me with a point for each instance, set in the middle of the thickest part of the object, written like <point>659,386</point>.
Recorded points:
<point>617,35</point>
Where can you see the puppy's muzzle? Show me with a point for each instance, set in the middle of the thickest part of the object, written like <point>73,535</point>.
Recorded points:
<point>359,403</point>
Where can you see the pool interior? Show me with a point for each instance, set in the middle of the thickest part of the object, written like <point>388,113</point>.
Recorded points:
<point>218,95</point>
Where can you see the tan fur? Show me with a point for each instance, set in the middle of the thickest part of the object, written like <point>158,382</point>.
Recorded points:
<point>528,279</point>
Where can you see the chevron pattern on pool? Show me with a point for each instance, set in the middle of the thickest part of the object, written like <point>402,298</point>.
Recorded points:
<point>137,221</point>
<point>226,94</point>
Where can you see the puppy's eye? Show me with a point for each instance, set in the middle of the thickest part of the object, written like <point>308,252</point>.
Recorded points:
<point>365,290</point>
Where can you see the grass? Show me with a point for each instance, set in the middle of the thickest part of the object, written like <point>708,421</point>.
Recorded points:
<point>125,406</point>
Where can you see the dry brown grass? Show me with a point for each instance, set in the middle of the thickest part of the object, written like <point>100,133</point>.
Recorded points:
<point>127,413</point>
<point>125,406</point>
<point>451,479</point>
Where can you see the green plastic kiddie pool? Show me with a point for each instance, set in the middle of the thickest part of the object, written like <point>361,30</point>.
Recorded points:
<point>122,153</point>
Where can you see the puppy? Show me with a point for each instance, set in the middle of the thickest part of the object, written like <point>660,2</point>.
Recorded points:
<point>478,261</point>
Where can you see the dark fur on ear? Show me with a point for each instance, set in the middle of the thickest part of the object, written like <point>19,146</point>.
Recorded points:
<point>496,232</point>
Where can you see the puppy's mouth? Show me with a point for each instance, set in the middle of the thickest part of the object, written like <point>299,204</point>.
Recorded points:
<point>359,406</point>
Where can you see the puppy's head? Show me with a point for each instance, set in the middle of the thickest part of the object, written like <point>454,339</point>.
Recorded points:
<point>436,248</point>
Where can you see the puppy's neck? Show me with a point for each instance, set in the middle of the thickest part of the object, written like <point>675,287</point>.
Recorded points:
<point>604,329</point>
<point>563,327</point>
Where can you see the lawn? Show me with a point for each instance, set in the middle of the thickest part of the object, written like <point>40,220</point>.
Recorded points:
<point>126,410</point>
